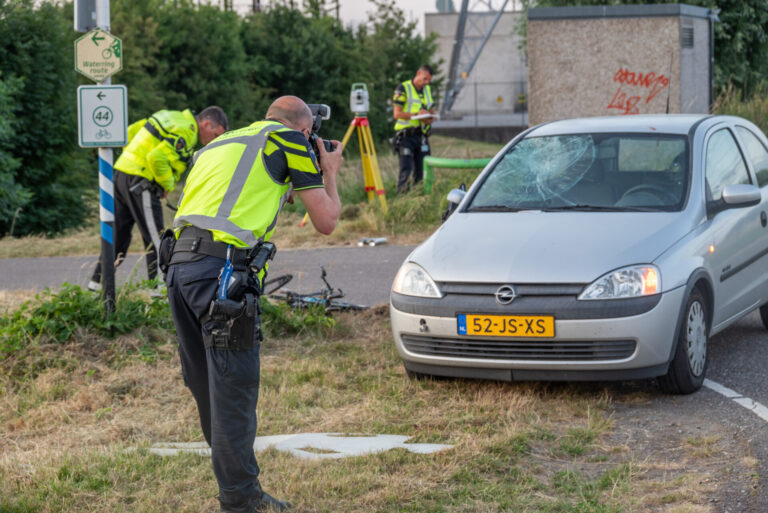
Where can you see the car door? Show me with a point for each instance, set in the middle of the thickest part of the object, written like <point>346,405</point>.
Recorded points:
<point>734,232</point>
<point>753,143</point>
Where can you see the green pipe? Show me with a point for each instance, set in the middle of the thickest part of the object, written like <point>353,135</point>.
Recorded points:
<point>430,162</point>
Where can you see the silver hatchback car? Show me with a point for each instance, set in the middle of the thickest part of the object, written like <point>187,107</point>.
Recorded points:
<point>593,249</point>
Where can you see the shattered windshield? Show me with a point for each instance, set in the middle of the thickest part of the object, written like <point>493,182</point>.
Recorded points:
<point>588,172</point>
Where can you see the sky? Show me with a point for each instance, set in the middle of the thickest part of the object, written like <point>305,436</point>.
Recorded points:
<point>356,11</point>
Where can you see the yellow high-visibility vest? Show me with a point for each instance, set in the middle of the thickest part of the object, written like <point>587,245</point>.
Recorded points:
<point>160,147</point>
<point>229,190</point>
<point>414,102</point>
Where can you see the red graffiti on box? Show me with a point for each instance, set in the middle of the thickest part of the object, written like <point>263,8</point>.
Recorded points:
<point>651,82</point>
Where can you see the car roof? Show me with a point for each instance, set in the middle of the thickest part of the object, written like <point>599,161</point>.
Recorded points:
<point>646,123</point>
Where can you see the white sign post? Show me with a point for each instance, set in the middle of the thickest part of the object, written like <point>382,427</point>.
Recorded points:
<point>102,116</point>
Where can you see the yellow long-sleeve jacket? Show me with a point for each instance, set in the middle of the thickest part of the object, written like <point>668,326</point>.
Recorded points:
<point>160,147</point>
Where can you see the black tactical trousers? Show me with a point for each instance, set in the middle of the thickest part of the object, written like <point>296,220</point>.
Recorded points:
<point>411,161</point>
<point>224,383</point>
<point>129,211</point>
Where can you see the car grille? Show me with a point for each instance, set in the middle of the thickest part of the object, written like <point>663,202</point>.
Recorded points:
<point>484,349</point>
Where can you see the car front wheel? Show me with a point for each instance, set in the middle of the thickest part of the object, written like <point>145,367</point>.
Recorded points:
<point>689,365</point>
<point>764,315</point>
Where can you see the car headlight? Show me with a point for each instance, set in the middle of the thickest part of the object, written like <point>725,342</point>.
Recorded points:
<point>633,281</point>
<point>412,280</point>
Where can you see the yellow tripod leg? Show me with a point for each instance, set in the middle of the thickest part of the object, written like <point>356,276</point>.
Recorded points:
<point>376,180</point>
<point>370,190</point>
<point>346,136</point>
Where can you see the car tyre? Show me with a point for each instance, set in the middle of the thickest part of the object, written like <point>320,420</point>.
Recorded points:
<point>764,315</point>
<point>689,364</point>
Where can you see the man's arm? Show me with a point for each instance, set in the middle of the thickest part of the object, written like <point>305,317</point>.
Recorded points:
<point>159,163</point>
<point>323,204</point>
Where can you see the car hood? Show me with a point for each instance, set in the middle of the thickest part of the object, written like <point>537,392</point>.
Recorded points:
<point>545,247</point>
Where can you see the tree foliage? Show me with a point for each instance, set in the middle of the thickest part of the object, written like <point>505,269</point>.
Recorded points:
<point>177,55</point>
<point>741,37</point>
<point>44,171</point>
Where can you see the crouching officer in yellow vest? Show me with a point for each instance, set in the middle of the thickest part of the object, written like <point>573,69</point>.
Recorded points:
<point>158,151</point>
<point>227,214</point>
<point>412,98</point>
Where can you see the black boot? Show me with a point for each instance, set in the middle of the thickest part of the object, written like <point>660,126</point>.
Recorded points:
<point>264,503</point>
<point>267,503</point>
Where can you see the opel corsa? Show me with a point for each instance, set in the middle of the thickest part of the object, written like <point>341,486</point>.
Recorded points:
<point>593,249</point>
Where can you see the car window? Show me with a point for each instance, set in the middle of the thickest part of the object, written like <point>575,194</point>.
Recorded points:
<point>757,154</point>
<point>594,172</point>
<point>725,165</point>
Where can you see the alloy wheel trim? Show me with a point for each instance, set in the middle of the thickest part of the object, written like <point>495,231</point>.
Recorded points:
<point>696,338</point>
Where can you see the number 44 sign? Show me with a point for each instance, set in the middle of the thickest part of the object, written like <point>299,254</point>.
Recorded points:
<point>102,115</point>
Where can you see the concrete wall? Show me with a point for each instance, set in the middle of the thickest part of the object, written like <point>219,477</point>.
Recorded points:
<point>498,77</point>
<point>615,65</point>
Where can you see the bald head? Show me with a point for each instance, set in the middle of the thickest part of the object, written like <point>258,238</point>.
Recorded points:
<point>291,111</point>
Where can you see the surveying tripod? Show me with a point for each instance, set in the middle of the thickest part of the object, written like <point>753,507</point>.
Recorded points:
<point>371,173</point>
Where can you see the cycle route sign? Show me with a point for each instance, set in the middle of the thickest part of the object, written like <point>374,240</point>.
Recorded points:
<point>98,55</point>
<point>101,116</point>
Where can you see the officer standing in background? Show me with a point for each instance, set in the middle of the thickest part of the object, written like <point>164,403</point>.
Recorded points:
<point>413,97</point>
<point>228,211</point>
<point>158,151</point>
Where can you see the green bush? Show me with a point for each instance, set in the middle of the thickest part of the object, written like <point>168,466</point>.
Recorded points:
<point>55,317</point>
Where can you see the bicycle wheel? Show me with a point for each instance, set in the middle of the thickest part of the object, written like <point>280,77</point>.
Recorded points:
<point>276,283</point>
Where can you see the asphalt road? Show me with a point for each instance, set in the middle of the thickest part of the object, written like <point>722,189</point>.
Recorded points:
<point>738,356</point>
<point>365,273</point>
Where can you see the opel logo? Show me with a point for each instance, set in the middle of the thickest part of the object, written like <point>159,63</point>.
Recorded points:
<point>505,294</point>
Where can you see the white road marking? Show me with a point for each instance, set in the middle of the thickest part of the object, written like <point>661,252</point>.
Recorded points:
<point>328,445</point>
<point>757,408</point>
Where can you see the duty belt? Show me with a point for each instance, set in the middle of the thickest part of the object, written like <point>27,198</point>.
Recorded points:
<point>411,131</point>
<point>194,241</point>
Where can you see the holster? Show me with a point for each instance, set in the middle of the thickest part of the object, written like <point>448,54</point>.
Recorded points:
<point>146,185</point>
<point>396,141</point>
<point>165,251</point>
<point>233,325</point>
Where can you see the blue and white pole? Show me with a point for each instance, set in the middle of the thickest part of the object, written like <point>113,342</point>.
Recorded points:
<point>107,221</point>
<point>106,195</point>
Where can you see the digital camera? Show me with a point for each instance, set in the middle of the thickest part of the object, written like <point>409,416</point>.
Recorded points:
<point>320,112</point>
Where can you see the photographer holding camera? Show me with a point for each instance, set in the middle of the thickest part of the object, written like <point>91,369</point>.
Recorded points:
<point>228,211</point>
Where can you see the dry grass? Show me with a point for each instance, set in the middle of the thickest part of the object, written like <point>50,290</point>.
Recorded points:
<point>65,435</point>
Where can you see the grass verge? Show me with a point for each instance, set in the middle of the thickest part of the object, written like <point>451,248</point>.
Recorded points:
<point>74,433</point>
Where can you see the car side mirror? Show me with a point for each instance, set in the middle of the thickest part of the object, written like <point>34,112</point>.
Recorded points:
<point>735,196</point>
<point>454,198</point>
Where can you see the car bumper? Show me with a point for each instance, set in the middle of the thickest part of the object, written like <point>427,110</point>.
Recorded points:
<point>626,347</point>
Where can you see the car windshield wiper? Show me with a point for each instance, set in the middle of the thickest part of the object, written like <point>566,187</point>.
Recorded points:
<point>600,208</point>
<point>495,208</point>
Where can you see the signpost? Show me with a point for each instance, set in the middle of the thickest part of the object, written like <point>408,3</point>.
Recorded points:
<point>98,55</point>
<point>102,117</point>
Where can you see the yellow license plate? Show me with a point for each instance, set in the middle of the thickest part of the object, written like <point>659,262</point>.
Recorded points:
<point>540,326</point>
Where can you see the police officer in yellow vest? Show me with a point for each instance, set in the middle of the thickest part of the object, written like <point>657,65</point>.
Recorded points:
<point>158,151</point>
<point>412,98</point>
<point>228,212</point>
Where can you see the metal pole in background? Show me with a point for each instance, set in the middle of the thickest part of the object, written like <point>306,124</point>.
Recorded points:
<point>106,195</point>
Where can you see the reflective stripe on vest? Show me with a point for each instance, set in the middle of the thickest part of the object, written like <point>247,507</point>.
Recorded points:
<point>221,222</point>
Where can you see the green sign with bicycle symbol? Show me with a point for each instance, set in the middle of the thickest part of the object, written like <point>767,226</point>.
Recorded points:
<point>98,55</point>
<point>102,115</point>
